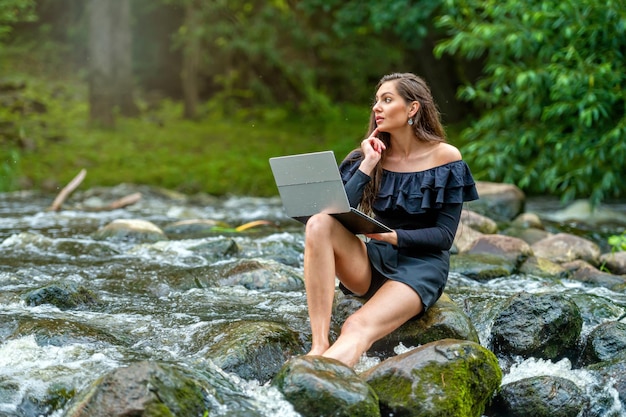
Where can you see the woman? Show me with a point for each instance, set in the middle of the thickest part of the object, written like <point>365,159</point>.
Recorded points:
<point>413,181</point>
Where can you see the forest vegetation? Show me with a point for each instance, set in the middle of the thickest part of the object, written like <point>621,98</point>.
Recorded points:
<point>196,95</point>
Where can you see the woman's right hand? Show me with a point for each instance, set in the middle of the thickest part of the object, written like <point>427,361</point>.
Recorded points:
<point>372,149</point>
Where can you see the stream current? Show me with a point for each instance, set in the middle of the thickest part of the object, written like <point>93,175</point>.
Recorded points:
<point>147,316</point>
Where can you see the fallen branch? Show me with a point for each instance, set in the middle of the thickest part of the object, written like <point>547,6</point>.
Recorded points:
<point>120,203</point>
<point>67,190</point>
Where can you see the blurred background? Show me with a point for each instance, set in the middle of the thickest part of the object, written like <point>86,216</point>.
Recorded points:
<point>196,95</point>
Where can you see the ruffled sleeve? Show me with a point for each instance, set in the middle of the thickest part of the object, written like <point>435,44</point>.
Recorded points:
<point>416,192</point>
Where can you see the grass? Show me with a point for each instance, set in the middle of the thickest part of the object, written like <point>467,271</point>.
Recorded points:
<point>217,154</point>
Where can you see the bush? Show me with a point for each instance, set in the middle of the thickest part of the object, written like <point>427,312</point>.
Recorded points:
<point>551,95</point>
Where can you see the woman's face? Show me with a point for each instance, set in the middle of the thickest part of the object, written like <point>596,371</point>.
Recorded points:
<point>391,111</point>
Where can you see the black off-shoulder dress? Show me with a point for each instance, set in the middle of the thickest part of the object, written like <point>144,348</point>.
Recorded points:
<point>424,208</point>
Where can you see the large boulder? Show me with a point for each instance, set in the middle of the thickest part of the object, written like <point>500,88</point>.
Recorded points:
<point>545,326</point>
<point>507,247</point>
<point>444,378</point>
<point>323,387</point>
<point>254,350</point>
<point>151,389</point>
<point>539,396</point>
<point>605,342</point>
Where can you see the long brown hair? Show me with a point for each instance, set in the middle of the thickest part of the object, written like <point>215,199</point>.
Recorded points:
<point>426,125</point>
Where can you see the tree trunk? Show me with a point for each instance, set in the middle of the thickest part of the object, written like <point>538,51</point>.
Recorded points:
<point>101,96</point>
<point>123,58</point>
<point>191,61</point>
<point>110,71</point>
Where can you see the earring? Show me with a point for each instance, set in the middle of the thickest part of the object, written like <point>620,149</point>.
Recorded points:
<point>411,122</point>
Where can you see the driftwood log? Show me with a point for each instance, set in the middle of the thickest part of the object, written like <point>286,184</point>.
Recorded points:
<point>57,204</point>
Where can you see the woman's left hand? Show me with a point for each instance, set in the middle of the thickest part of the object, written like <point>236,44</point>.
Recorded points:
<point>389,237</point>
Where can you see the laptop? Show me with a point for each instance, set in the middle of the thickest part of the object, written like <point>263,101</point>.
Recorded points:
<point>310,183</point>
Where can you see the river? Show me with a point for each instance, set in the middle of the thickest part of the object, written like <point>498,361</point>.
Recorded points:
<point>147,315</point>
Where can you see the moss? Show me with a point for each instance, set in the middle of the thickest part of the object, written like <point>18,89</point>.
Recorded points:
<point>461,387</point>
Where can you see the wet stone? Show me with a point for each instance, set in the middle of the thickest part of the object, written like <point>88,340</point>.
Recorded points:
<point>318,386</point>
<point>605,342</point>
<point>540,396</point>
<point>541,325</point>
<point>63,296</point>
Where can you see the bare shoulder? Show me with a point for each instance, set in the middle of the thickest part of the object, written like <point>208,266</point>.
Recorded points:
<point>446,153</point>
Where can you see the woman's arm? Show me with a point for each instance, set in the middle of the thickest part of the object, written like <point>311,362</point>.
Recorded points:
<point>440,237</point>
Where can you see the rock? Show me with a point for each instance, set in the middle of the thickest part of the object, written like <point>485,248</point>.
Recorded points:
<point>153,389</point>
<point>615,262</point>
<point>260,274</point>
<point>62,332</point>
<point>140,231</point>
<point>479,222</point>
<point>63,296</point>
<point>527,221</point>
<point>482,267</point>
<point>583,272</point>
<point>217,249</point>
<point>539,396</point>
<point>529,235</point>
<point>583,211</point>
<point>318,386</point>
<point>193,228</point>
<point>464,238</point>
<point>605,342</point>
<point>444,320</point>
<point>542,267</point>
<point>613,375</point>
<point>509,248</point>
<point>443,378</point>
<point>537,325</point>
<point>500,202</point>
<point>254,350</point>
<point>565,247</point>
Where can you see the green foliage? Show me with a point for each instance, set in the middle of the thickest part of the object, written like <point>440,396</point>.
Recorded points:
<point>409,20</point>
<point>220,154</point>
<point>9,171</point>
<point>282,54</point>
<point>618,242</point>
<point>553,108</point>
<point>15,11</point>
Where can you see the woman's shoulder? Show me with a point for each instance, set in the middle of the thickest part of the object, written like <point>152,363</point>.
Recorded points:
<point>446,153</point>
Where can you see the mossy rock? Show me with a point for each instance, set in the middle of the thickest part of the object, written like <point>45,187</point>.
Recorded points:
<point>318,386</point>
<point>63,296</point>
<point>254,350</point>
<point>482,267</point>
<point>451,378</point>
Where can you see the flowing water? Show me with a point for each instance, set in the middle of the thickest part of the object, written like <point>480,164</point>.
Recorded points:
<point>149,311</point>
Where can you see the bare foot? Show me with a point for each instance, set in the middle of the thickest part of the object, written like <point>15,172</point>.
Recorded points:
<point>317,351</point>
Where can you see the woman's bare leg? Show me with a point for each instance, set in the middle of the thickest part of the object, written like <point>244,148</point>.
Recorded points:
<point>390,307</point>
<point>330,250</point>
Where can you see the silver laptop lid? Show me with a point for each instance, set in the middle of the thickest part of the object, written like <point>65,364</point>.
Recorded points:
<point>309,184</point>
